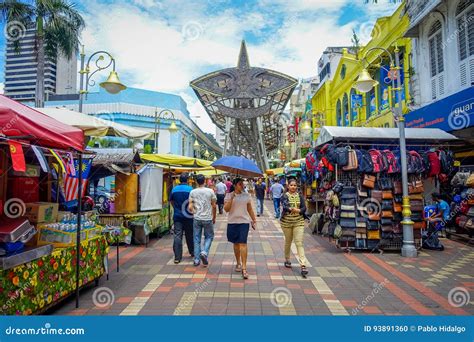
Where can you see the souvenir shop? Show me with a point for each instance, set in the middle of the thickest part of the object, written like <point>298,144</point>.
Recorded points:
<point>45,254</point>
<point>357,171</point>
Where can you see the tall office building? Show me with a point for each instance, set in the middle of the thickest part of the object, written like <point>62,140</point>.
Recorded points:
<point>20,71</point>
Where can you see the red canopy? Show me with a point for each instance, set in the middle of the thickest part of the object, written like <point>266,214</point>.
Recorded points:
<point>17,120</point>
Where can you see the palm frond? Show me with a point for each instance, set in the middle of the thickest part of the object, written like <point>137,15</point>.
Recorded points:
<point>17,16</point>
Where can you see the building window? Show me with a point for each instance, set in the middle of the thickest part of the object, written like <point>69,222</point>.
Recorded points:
<point>371,101</point>
<point>354,107</point>
<point>435,41</point>
<point>465,29</point>
<point>345,108</point>
<point>338,113</point>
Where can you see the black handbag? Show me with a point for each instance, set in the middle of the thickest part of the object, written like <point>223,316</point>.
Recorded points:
<point>386,221</point>
<point>372,225</point>
<point>387,205</point>
<point>342,156</point>
<point>385,183</point>
<point>347,222</point>
<point>348,201</point>
<point>417,216</point>
<point>337,188</point>
<point>348,232</point>
<point>397,216</point>
<point>349,192</point>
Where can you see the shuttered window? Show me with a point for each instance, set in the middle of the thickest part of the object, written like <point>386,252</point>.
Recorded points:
<point>465,33</point>
<point>435,41</point>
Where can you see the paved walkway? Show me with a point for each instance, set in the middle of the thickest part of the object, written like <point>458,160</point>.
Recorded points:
<point>435,283</point>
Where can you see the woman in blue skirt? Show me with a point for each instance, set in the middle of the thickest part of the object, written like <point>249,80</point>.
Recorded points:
<point>238,205</point>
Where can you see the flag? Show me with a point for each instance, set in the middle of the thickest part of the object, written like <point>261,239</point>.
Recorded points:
<point>70,164</point>
<point>41,158</point>
<point>71,183</point>
<point>60,160</point>
<point>18,158</point>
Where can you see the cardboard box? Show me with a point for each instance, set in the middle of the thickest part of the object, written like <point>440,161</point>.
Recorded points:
<point>42,212</point>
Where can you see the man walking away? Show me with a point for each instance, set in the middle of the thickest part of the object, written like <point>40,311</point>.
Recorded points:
<point>202,203</point>
<point>260,188</point>
<point>221,189</point>
<point>277,190</point>
<point>182,218</point>
<point>228,184</point>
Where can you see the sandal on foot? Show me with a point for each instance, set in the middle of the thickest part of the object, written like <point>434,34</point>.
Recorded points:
<point>287,264</point>
<point>304,270</point>
<point>245,275</point>
<point>238,268</point>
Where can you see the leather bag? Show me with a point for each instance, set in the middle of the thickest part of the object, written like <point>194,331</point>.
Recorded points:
<point>397,188</point>
<point>361,230</point>
<point>347,222</point>
<point>361,222</point>
<point>419,225</point>
<point>387,194</point>
<point>372,225</point>
<point>416,197</point>
<point>346,207</point>
<point>348,214</point>
<point>375,216</point>
<point>416,205</point>
<point>369,181</point>
<point>387,214</point>
<point>352,163</point>
<point>387,228</point>
<point>376,195</point>
<point>373,235</point>
<point>397,207</point>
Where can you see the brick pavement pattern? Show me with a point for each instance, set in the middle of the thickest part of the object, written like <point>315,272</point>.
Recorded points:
<point>338,283</point>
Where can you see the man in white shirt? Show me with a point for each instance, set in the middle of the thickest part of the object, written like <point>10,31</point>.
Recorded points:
<point>221,189</point>
<point>202,203</point>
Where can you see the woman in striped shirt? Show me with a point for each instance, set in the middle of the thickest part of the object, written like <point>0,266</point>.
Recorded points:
<point>292,223</point>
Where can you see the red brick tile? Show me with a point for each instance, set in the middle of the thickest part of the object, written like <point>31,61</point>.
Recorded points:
<point>310,291</point>
<point>163,289</point>
<point>233,284</point>
<point>371,310</point>
<point>328,296</point>
<point>124,300</point>
<point>181,284</point>
<point>293,286</point>
<point>349,303</point>
<point>145,294</point>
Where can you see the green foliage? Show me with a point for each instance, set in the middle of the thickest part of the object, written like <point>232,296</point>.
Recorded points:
<point>147,149</point>
<point>355,43</point>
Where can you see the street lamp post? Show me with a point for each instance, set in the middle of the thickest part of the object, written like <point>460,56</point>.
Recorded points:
<point>364,84</point>
<point>112,85</point>
<point>164,114</point>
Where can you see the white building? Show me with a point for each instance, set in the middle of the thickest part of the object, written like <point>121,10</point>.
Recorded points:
<point>20,71</point>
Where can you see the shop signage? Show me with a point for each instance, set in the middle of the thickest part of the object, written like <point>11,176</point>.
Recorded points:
<point>452,113</point>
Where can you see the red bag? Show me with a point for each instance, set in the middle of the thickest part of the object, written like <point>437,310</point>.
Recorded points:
<point>393,166</point>
<point>327,164</point>
<point>435,164</point>
<point>378,161</point>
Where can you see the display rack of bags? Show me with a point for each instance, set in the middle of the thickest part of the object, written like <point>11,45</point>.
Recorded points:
<point>463,185</point>
<point>367,181</point>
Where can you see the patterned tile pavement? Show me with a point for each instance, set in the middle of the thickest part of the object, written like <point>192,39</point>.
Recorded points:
<point>149,283</point>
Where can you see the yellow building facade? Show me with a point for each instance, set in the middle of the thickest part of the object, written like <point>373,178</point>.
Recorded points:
<point>332,103</point>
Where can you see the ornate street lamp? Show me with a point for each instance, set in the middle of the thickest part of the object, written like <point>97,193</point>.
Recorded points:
<point>364,84</point>
<point>164,114</point>
<point>305,127</point>
<point>112,85</point>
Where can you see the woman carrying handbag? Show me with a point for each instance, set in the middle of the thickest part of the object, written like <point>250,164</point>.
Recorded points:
<point>292,223</point>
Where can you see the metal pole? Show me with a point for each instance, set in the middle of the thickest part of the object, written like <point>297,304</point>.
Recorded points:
<point>408,248</point>
<point>78,231</point>
<point>81,83</point>
<point>155,150</point>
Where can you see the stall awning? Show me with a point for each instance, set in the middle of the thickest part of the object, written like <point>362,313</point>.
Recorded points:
<point>381,135</point>
<point>18,120</point>
<point>274,172</point>
<point>175,160</point>
<point>94,126</point>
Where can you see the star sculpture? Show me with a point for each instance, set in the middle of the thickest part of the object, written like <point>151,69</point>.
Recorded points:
<point>246,103</point>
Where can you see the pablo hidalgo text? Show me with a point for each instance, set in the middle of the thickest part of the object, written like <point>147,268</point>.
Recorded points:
<point>441,328</point>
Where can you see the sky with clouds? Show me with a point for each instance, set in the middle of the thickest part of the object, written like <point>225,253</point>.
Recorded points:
<point>164,44</point>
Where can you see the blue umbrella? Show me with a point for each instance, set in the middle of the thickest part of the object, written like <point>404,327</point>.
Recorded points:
<point>238,165</point>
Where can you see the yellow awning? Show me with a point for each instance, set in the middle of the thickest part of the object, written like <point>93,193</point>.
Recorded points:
<point>297,162</point>
<point>174,160</point>
<point>272,172</point>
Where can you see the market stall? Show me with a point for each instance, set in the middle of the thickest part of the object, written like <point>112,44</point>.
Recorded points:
<point>357,171</point>
<point>137,206</point>
<point>35,273</point>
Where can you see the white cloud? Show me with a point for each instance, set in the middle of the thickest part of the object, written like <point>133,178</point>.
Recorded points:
<point>2,85</point>
<point>162,46</point>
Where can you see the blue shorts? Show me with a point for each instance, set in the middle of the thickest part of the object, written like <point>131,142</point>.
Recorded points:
<point>237,232</point>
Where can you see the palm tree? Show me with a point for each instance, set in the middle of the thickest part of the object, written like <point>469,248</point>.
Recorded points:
<point>58,28</point>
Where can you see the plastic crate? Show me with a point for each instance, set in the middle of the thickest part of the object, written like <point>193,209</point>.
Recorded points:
<point>61,239</point>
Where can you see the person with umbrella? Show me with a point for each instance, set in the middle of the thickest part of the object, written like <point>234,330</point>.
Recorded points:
<point>238,205</point>
<point>292,223</point>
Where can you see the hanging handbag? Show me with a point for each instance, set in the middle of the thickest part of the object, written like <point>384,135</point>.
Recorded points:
<point>376,195</point>
<point>375,216</point>
<point>373,235</point>
<point>386,222</point>
<point>416,206</point>
<point>419,225</point>
<point>347,222</point>
<point>362,192</point>
<point>349,192</point>
<point>387,214</point>
<point>397,188</point>
<point>387,205</point>
<point>348,201</point>
<point>346,207</point>
<point>417,216</point>
<point>361,230</point>
<point>416,197</point>
<point>348,214</point>
<point>397,207</point>
<point>387,195</point>
<point>372,225</point>
<point>397,228</point>
<point>397,216</point>
<point>348,232</point>
<point>387,228</point>
<point>369,181</point>
<point>361,222</point>
<point>470,181</point>
<point>337,232</point>
<point>385,183</point>
<point>352,163</point>
<point>416,187</point>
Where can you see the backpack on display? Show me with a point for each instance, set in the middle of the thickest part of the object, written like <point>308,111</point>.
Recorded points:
<point>329,150</point>
<point>415,163</point>
<point>425,160</point>
<point>393,166</point>
<point>342,156</point>
<point>364,161</point>
<point>379,163</point>
<point>311,162</point>
<point>446,159</point>
<point>434,164</point>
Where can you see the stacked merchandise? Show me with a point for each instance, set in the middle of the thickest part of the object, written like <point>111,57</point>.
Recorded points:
<point>463,182</point>
<point>369,185</point>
